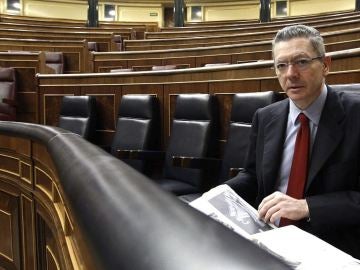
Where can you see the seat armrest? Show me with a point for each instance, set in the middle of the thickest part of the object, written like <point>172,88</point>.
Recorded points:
<point>10,102</point>
<point>196,162</point>
<point>234,171</point>
<point>141,154</point>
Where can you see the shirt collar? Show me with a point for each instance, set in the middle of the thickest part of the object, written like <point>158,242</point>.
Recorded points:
<point>313,112</point>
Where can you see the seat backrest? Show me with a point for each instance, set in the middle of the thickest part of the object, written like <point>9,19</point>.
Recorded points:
<point>55,61</point>
<point>194,133</point>
<point>349,88</point>
<point>7,94</point>
<point>216,64</point>
<point>138,126</point>
<point>170,67</point>
<point>78,115</point>
<point>243,108</point>
<point>118,42</point>
<point>92,46</point>
<point>166,67</point>
<point>138,123</point>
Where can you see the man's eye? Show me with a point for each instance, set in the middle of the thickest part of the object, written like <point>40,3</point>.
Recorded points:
<point>281,65</point>
<point>302,62</point>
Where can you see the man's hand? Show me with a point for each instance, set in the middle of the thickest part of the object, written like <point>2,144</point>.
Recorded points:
<point>278,205</point>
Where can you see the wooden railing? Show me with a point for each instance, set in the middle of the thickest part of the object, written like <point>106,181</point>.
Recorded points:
<point>67,204</point>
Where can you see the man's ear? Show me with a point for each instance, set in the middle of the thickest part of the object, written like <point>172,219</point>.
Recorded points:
<point>327,64</point>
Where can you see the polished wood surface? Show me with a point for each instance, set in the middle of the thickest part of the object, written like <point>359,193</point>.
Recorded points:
<point>244,34</point>
<point>208,41</point>
<point>37,232</point>
<point>8,18</point>
<point>253,26</point>
<point>198,57</point>
<point>75,52</point>
<point>26,66</point>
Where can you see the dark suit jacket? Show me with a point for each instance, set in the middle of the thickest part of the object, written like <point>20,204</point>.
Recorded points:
<point>333,186</point>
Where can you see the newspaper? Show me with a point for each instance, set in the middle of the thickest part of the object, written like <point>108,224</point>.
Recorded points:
<point>227,207</point>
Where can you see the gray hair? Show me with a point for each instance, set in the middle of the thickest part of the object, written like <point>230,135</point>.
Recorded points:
<point>301,31</point>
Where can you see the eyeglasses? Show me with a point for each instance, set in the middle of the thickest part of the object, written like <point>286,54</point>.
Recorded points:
<point>300,64</point>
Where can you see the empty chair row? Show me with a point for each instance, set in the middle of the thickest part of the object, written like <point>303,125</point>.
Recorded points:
<point>190,163</point>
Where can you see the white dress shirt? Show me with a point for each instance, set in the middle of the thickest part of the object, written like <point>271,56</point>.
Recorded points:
<point>313,112</point>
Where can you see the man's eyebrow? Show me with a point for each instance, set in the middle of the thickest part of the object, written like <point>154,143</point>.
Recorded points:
<point>292,57</point>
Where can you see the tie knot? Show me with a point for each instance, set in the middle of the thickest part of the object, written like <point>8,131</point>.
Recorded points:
<point>303,119</point>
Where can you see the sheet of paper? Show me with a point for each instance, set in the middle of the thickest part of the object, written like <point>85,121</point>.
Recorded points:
<point>296,247</point>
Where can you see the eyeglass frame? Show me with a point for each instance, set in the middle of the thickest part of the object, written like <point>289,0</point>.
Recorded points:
<point>296,64</point>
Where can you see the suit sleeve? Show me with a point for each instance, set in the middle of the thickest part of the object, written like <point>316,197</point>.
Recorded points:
<point>336,209</point>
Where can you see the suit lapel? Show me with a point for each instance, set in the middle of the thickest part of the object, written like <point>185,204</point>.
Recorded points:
<point>274,133</point>
<point>328,136</point>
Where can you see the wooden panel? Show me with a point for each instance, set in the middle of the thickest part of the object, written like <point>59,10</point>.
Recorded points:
<point>26,172</point>
<point>51,261</point>
<point>28,233</point>
<point>43,182</point>
<point>19,145</point>
<point>52,106</point>
<point>190,60</point>
<point>75,52</point>
<point>224,90</point>
<point>9,165</point>
<point>9,231</point>
<point>212,59</point>
<point>50,103</point>
<point>144,62</point>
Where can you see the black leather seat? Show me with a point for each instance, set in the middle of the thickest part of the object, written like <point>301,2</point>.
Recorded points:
<point>194,133</point>
<point>244,106</point>
<point>117,39</point>
<point>7,94</point>
<point>137,128</point>
<point>92,46</point>
<point>55,61</point>
<point>78,115</point>
<point>348,88</point>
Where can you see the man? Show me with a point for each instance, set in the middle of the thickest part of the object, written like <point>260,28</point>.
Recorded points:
<point>326,199</point>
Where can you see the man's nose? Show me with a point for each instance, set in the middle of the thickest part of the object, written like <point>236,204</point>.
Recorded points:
<point>292,70</point>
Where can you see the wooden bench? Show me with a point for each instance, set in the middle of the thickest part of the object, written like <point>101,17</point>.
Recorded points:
<point>323,27</point>
<point>105,40</point>
<point>273,25</point>
<point>126,32</point>
<point>75,52</point>
<point>198,57</point>
<point>179,43</point>
<point>26,66</point>
<point>138,26</point>
<point>298,18</point>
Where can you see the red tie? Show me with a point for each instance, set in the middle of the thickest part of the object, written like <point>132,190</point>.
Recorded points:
<point>299,166</point>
